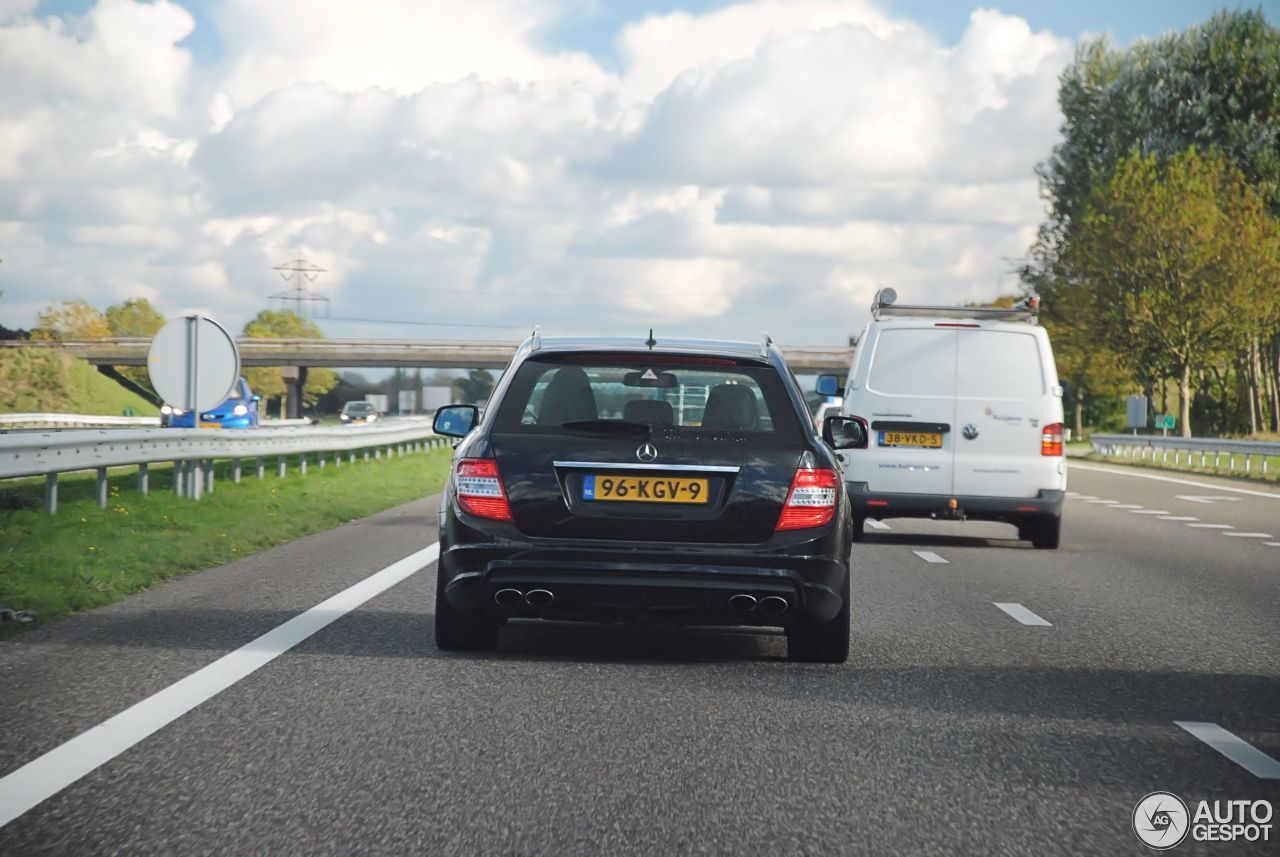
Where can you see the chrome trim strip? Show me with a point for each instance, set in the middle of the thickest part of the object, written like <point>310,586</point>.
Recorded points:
<point>602,465</point>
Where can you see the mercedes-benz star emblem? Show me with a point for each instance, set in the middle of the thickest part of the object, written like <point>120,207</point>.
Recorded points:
<point>648,452</point>
<point>970,431</point>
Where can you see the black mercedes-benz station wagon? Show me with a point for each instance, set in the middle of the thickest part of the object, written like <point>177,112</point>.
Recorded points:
<point>676,482</point>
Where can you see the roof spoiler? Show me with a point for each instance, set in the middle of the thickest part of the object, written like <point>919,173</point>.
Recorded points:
<point>884,306</point>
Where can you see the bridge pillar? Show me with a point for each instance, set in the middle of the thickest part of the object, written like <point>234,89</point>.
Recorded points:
<point>295,379</point>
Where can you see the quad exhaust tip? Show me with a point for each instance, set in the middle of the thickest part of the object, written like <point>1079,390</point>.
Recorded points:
<point>742,602</point>
<point>508,597</point>
<point>539,598</point>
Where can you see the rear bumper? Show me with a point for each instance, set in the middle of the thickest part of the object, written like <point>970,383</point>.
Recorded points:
<point>877,504</point>
<point>689,588</point>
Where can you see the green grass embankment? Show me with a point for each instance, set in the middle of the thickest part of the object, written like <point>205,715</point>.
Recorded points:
<point>85,557</point>
<point>48,380</point>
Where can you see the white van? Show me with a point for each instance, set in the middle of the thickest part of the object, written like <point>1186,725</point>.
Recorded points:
<point>963,412</point>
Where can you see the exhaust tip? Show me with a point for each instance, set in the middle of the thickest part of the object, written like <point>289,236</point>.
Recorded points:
<point>539,598</point>
<point>774,605</point>
<point>742,602</point>
<point>508,597</point>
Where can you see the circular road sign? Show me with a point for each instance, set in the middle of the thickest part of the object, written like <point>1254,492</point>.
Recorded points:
<point>193,363</point>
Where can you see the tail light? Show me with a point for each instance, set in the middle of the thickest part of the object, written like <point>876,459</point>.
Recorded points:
<point>811,501</point>
<point>480,489</point>
<point>1051,439</point>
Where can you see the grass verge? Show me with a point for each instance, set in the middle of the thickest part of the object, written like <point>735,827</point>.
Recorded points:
<point>85,557</point>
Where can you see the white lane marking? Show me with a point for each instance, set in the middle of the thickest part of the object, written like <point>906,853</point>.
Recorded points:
<point>1126,506</point>
<point>1179,518</point>
<point>1272,544</point>
<point>1022,614</point>
<point>929,556</point>
<point>877,525</point>
<point>1125,472</point>
<point>1249,535</point>
<point>1085,497</point>
<point>49,774</point>
<point>1211,526</point>
<point>1104,502</point>
<point>1148,512</point>
<point>1236,749</point>
<point>1207,498</point>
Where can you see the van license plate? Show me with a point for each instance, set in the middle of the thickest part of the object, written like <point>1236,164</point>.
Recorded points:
<point>926,439</point>
<point>644,489</point>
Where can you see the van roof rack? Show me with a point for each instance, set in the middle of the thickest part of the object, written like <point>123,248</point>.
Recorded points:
<point>884,306</point>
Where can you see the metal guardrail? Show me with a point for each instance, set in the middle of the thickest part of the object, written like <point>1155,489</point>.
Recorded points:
<point>1152,448</point>
<point>193,451</point>
<point>27,421</point>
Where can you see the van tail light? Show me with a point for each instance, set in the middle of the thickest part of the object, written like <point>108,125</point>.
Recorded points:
<point>480,489</point>
<point>811,502</point>
<point>1051,439</point>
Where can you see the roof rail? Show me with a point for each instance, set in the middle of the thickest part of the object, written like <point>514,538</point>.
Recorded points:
<point>765,343</point>
<point>535,338</point>
<point>883,306</point>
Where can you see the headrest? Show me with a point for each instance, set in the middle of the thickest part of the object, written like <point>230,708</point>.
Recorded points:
<point>652,411</point>
<point>731,407</point>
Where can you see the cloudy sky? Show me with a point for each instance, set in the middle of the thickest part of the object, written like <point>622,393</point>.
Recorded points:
<point>704,168</point>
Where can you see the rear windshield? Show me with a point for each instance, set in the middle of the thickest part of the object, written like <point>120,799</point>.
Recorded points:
<point>669,394</point>
<point>997,364</point>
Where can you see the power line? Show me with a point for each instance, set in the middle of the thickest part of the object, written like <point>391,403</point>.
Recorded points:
<point>300,272</point>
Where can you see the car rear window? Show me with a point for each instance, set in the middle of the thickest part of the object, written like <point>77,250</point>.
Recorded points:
<point>914,362</point>
<point>997,364</point>
<point>668,393</point>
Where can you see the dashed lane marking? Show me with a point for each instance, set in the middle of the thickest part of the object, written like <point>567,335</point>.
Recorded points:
<point>1103,502</point>
<point>1179,518</point>
<point>1022,614</point>
<point>877,525</point>
<point>1249,535</point>
<point>49,774</point>
<point>929,556</point>
<point>1126,506</point>
<point>1121,471</point>
<point>1207,498</point>
<point>1236,749</point>
<point>1148,512</point>
<point>1212,526</point>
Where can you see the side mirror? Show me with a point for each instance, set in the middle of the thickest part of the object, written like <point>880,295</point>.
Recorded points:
<point>844,432</point>
<point>255,398</point>
<point>828,385</point>
<point>1064,389</point>
<point>456,420</point>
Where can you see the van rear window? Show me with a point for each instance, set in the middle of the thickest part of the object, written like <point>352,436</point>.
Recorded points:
<point>997,364</point>
<point>914,362</point>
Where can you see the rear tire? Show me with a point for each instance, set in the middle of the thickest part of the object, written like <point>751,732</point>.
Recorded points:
<point>460,632</point>
<point>1044,534</point>
<point>827,643</point>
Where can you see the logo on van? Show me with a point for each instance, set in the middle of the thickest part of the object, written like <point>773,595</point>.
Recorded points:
<point>970,431</point>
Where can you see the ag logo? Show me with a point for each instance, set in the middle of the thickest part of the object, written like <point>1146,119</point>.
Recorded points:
<point>970,431</point>
<point>647,452</point>
<point>1160,820</point>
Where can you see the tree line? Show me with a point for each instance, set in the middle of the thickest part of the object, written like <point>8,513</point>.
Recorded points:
<point>1159,263</point>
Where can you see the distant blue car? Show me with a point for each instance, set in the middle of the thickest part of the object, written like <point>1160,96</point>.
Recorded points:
<point>240,410</point>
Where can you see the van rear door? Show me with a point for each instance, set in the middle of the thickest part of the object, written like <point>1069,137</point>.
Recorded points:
<point>908,400</point>
<point>1002,404</point>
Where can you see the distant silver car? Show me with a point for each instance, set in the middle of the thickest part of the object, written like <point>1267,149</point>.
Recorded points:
<point>358,412</point>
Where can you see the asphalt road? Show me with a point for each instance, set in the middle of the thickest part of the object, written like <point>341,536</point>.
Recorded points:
<point>954,728</point>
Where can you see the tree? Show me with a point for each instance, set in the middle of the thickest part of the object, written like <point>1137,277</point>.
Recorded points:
<point>134,317</point>
<point>1169,261</point>
<point>476,387</point>
<point>267,381</point>
<point>70,320</point>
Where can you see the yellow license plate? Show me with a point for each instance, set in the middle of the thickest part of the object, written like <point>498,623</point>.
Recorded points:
<point>210,425</point>
<point>927,439</point>
<point>644,489</point>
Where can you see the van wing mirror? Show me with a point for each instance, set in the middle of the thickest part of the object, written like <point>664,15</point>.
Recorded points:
<point>828,385</point>
<point>456,420</point>
<point>844,432</point>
